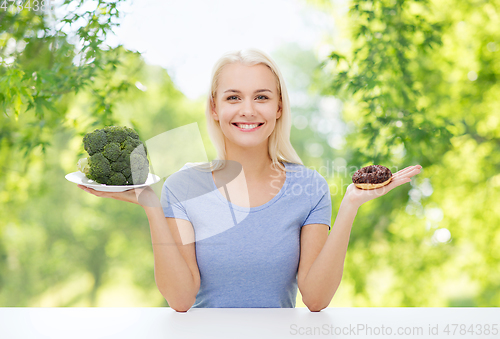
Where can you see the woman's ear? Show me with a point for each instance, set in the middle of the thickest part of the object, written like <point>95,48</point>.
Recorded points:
<point>214,113</point>
<point>278,114</point>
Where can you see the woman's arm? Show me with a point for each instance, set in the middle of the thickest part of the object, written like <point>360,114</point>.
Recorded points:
<point>176,271</point>
<point>323,277</point>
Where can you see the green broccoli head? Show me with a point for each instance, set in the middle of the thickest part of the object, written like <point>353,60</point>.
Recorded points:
<point>99,168</point>
<point>112,151</point>
<point>130,144</point>
<point>117,179</point>
<point>116,134</point>
<point>131,133</point>
<point>117,156</point>
<point>94,142</point>
<point>119,166</point>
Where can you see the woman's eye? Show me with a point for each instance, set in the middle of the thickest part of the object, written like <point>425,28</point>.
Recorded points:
<point>232,96</point>
<point>262,96</point>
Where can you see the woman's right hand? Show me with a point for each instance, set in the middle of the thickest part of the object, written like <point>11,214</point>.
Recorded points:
<point>144,197</point>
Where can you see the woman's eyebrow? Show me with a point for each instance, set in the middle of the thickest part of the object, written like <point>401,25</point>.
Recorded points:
<point>257,91</point>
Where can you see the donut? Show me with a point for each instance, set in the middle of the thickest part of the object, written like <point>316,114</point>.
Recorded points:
<point>371,177</point>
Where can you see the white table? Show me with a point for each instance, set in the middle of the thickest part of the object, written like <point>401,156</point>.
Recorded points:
<point>152,323</point>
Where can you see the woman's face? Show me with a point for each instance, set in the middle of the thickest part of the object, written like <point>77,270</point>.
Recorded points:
<point>246,96</point>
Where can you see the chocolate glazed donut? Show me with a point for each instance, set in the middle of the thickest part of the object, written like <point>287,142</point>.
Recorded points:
<point>371,177</point>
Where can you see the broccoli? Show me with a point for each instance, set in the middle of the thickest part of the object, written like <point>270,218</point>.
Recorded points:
<point>116,157</point>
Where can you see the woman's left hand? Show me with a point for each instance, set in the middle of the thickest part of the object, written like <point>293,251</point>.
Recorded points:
<point>359,196</point>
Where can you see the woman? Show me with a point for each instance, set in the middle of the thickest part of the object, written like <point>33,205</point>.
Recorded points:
<point>254,227</point>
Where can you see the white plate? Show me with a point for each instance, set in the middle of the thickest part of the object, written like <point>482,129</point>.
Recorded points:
<point>80,178</point>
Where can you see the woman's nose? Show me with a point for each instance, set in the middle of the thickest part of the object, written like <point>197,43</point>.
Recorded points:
<point>247,108</point>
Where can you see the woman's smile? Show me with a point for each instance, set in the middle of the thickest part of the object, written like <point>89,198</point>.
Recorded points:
<point>247,127</point>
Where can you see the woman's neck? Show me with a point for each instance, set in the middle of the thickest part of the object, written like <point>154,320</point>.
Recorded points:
<point>255,161</point>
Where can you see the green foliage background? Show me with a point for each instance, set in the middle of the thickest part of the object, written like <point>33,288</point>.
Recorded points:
<point>419,84</point>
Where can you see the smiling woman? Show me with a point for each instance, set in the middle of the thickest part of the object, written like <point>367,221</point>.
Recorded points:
<point>246,227</point>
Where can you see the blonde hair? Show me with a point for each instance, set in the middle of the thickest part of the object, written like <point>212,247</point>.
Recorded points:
<point>280,148</point>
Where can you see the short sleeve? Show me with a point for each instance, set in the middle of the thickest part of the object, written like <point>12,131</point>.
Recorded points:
<point>321,202</point>
<point>171,205</point>
<point>173,194</point>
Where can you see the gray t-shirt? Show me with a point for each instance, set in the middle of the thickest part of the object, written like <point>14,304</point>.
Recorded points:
<point>247,257</point>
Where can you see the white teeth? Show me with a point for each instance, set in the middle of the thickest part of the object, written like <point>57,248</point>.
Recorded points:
<point>246,126</point>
